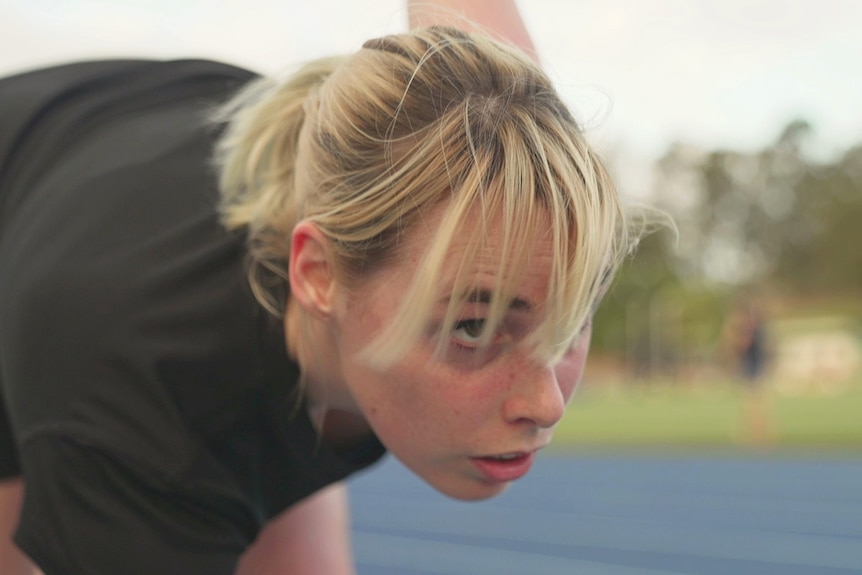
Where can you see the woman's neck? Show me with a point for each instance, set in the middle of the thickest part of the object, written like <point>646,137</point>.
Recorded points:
<point>330,407</point>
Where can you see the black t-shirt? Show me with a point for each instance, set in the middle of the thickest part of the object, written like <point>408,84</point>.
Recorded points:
<point>155,412</point>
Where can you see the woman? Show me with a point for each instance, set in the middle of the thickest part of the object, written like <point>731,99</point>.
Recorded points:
<point>401,248</point>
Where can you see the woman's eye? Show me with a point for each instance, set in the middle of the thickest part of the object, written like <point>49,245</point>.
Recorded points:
<point>469,330</point>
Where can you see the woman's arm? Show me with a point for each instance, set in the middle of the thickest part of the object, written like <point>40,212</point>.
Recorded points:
<point>310,538</point>
<point>12,560</point>
<point>498,17</point>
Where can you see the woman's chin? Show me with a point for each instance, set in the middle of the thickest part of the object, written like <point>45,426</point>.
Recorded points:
<point>469,490</point>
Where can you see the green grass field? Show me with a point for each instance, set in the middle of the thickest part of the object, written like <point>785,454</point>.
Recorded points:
<point>707,416</point>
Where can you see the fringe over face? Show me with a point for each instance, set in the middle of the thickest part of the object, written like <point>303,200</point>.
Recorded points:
<point>366,147</point>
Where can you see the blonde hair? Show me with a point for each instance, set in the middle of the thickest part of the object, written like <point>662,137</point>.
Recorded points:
<point>367,146</point>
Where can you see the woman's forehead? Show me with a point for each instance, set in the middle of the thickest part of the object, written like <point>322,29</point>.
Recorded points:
<point>476,261</point>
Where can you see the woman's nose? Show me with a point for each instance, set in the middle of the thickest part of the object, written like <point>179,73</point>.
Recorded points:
<point>536,399</point>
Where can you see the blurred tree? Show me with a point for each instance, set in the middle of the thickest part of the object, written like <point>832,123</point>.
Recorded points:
<point>624,314</point>
<point>771,217</point>
<point>734,208</point>
<point>824,255</point>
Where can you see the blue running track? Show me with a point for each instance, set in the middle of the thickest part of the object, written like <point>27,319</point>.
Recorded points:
<point>621,515</point>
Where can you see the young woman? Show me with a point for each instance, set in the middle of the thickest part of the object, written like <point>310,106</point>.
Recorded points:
<point>206,324</point>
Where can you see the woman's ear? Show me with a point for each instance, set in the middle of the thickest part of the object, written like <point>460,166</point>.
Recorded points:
<point>312,282</point>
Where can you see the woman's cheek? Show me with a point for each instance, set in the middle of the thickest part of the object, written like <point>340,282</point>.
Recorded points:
<point>571,367</point>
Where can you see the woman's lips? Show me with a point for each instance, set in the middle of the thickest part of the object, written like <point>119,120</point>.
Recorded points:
<point>504,468</point>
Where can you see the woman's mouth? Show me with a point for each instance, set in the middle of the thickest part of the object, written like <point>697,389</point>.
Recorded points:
<point>504,467</point>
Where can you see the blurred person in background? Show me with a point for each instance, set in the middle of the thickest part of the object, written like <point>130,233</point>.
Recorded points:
<point>746,342</point>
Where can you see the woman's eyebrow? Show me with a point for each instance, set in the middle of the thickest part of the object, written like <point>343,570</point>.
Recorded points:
<point>485,297</point>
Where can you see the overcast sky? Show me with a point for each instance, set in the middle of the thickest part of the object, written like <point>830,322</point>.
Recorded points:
<point>639,74</point>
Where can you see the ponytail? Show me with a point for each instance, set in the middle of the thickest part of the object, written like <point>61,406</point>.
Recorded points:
<point>256,157</point>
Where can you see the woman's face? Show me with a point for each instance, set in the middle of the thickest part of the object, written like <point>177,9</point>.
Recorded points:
<point>468,421</point>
